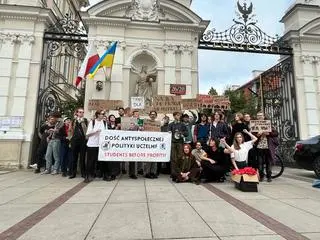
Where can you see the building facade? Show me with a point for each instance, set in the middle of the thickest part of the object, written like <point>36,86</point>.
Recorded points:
<point>22,27</point>
<point>161,36</point>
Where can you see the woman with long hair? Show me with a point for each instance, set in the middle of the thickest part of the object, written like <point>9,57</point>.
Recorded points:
<point>186,168</point>
<point>93,133</point>
<point>239,126</point>
<point>239,156</point>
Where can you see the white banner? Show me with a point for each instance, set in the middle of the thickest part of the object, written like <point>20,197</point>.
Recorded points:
<point>137,102</point>
<point>134,146</point>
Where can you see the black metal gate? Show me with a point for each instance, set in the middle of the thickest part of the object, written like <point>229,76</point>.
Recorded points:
<point>278,84</point>
<point>64,48</point>
<point>280,106</point>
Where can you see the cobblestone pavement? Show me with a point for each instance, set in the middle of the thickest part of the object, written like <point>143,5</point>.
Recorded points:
<point>51,207</point>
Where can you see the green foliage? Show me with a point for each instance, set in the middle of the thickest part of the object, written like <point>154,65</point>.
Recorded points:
<point>239,103</point>
<point>212,92</point>
<point>67,108</point>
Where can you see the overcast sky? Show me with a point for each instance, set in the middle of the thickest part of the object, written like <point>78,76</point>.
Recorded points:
<point>219,69</point>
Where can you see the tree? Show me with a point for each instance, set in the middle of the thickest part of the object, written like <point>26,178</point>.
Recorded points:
<point>212,91</point>
<point>239,102</point>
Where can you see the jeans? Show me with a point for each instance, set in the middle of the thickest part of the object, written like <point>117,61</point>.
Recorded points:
<point>53,152</point>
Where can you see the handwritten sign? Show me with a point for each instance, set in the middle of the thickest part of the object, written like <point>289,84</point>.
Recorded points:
<point>188,104</point>
<point>178,89</point>
<point>128,123</point>
<point>151,126</point>
<point>166,104</point>
<point>137,102</point>
<point>100,104</point>
<point>260,126</point>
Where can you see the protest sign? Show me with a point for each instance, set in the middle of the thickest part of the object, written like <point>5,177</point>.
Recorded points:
<point>137,102</point>
<point>128,123</point>
<point>166,104</point>
<point>188,104</point>
<point>100,104</point>
<point>178,89</point>
<point>151,126</point>
<point>260,126</point>
<point>134,146</point>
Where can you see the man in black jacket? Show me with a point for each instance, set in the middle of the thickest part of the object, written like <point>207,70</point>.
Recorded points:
<point>178,131</point>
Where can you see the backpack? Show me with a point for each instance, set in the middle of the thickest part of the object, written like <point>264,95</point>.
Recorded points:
<point>94,122</point>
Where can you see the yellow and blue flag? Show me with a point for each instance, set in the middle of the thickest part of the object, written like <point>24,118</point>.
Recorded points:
<point>105,61</point>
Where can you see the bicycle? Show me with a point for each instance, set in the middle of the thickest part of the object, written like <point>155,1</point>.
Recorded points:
<point>277,166</point>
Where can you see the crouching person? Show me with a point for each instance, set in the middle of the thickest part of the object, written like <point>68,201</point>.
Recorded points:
<point>186,168</point>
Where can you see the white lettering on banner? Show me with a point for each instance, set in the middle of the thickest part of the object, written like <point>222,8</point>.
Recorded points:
<point>134,146</point>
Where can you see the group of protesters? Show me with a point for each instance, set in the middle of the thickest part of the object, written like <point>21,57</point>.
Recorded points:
<point>203,148</point>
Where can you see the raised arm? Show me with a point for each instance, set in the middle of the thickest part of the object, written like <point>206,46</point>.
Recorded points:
<point>253,137</point>
<point>228,149</point>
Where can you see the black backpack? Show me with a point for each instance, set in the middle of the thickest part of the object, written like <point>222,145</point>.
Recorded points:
<point>104,123</point>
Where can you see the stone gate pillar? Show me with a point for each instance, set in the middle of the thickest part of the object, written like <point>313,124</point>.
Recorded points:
<point>302,24</point>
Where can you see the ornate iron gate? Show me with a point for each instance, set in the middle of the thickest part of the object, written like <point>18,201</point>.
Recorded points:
<point>278,91</point>
<point>64,48</point>
<point>280,106</point>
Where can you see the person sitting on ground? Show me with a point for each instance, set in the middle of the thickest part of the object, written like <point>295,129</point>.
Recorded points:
<point>186,168</point>
<point>239,156</point>
<point>215,164</point>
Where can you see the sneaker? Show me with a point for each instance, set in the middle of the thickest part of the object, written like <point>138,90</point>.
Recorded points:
<point>54,172</point>
<point>34,166</point>
<point>45,172</point>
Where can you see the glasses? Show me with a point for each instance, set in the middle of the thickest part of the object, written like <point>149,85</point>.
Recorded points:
<point>80,111</point>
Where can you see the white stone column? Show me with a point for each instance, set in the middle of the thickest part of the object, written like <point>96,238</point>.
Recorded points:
<point>186,68</point>
<point>310,94</point>
<point>8,42</point>
<point>22,76</point>
<point>169,67</point>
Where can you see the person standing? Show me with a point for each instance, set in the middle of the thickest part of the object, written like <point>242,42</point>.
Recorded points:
<point>93,133</point>
<point>239,126</point>
<point>150,168</point>
<point>111,169</point>
<point>201,130</point>
<point>263,150</point>
<point>178,131</point>
<point>54,143</point>
<point>188,124</point>
<point>65,153</point>
<point>42,148</point>
<point>218,128</point>
<point>77,137</point>
<point>164,167</point>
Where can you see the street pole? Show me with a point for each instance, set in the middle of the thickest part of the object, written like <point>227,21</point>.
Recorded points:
<point>261,93</point>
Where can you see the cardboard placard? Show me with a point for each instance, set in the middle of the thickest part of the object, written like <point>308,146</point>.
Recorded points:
<point>245,177</point>
<point>127,122</point>
<point>100,104</point>
<point>166,104</point>
<point>260,126</point>
<point>189,104</point>
<point>151,126</point>
<point>178,89</point>
<point>137,102</point>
